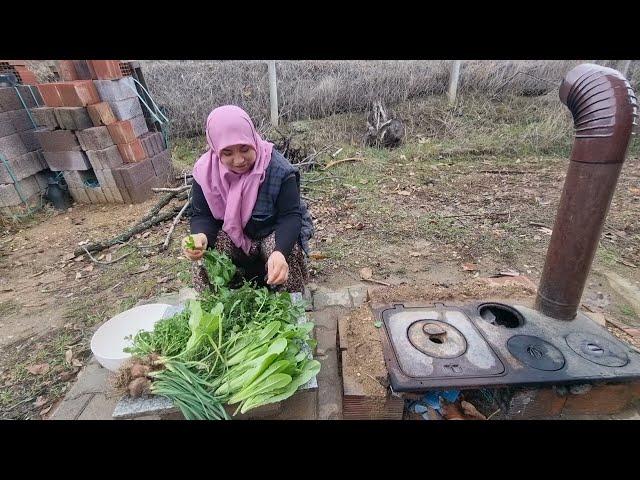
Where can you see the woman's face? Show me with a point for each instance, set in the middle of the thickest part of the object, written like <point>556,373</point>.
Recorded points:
<point>238,158</point>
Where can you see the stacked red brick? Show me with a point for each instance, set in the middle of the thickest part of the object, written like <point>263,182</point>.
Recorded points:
<point>104,147</point>
<point>19,69</point>
<point>24,180</point>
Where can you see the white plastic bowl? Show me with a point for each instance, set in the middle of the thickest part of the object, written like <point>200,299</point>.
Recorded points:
<point>108,342</point>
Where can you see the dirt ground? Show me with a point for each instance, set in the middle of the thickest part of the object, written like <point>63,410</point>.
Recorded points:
<point>424,216</point>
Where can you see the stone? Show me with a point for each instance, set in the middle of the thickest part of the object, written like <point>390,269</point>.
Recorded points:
<point>99,408</point>
<point>323,299</point>
<point>71,409</point>
<point>326,319</point>
<point>329,387</point>
<point>358,295</point>
<point>92,379</point>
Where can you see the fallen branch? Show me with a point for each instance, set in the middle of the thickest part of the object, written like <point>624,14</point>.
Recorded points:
<point>336,162</point>
<point>506,172</point>
<point>490,416</point>
<point>376,281</point>
<point>174,190</point>
<point>536,224</point>
<point>173,225</point>
<point>106,263</point>
<point>162,202</point>
<point>475,214</point>
<point>628,264</point>
<point>140,227</point>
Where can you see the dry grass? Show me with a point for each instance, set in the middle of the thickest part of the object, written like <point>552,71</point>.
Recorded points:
<point>316,89</point>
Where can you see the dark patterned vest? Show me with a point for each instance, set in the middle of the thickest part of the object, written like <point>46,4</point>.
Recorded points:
<point>264,211</point>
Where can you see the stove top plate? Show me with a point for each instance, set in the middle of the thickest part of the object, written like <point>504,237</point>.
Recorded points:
<point>437,346</point>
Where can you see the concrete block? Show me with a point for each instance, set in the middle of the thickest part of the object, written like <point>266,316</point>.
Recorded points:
<point>6,128</point>
<point>84,70</point>
<point>108,195</point>
<point>105,178</point>
<point>12,147</point>
<point>25,166</point>
<point>45,117</point>
<point>99,194</point>
<point>93,379</point>
<point>92,195</point>
<point>122,188</point>
<point>115,193</point>
<point>94,138</point>
<point>10,99</point>
<point>21,120</point>
<point>106,158</point>
<point>115,90</point>
<point>150,144</point>
<point>72,160</point>
<point>9,195</point>
<point>142,192</point>
<point>29,140</point>
<point>57,140</point>
<point>72,409</point>
<point>162,166</point>
<point>79,195</point>
<point>100,407</point>
<point>358,294</point>
<point>139,125</point>
<point>126,109</point>
<point>43,180</point>
<point>73,118</point>
<point>324,298</point>
<point>101,114</point>
<point>73,179</point>
<point>135,174</point>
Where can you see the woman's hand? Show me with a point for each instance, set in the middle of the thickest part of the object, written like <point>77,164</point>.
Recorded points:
<point>277,269</point>
<point>200,241</point>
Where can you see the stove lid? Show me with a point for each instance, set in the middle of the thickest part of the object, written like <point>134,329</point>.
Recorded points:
<point>597,349</point>
<point>437,342</point>
<point>535,352</point>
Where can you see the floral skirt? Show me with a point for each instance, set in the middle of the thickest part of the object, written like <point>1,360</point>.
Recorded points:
<point>253,266</point>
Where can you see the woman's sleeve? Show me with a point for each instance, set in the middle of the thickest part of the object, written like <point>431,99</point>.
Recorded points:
<point>289,220</point>
<point>202,220</point>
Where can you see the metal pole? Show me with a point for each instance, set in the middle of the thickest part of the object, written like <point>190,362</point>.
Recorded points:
<point>273,92</point>
<point>453,81</point>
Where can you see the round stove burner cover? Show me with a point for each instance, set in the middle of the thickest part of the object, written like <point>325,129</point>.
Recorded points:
<point>535,352</point>
<point>597,349</point>
<point>437,339</point>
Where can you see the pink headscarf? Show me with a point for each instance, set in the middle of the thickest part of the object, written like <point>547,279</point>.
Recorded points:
<point>231,196</point>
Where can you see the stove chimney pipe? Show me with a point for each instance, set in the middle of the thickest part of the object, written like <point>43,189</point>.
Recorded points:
<point>604,110</point>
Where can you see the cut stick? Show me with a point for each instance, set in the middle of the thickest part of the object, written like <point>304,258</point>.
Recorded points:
<point>173,225</point>
<point>336,162</point>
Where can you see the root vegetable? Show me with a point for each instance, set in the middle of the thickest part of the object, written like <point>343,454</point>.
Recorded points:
<point>139,371</point>
<point>138,386</point>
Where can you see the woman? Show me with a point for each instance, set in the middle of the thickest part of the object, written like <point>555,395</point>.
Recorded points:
<point>246,203</point>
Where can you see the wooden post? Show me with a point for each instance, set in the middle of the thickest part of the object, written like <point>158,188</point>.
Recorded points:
<point>453,81</point>
<point>625,68</point>
<point>273,93</point>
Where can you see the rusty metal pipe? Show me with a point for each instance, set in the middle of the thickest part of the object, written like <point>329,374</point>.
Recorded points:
<point>604,110</point>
